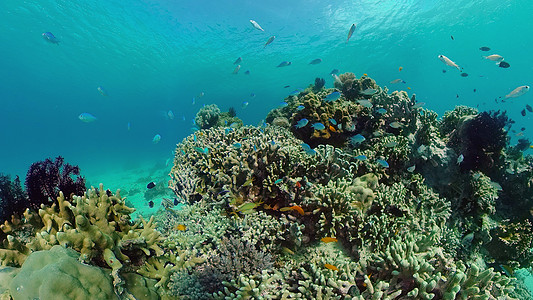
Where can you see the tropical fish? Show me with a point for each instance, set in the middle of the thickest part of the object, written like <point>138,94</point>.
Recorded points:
<point>151,204</point>
<point>237,145</point>
<point>193,101</point>
<point>397,81</point>
<point>523,112</point>
<point>464,74</point>
<point>365,103</point>
<point>180,227</point>
<point>333,96</point>
<point>300,107</point>
<point>244,104</point>
<point>287,250</point>
<point>484,48</point>
<point>248,207</point>
<point>332,121</point>
<point>369,92</point>
<point>247,72</point>
<point>332,129</point>
<point>331,267</point>
<point>307,149</point>
<point>381,111</point>
<point>315,61</point>
<point>248,182</point>
<point>411,169</point>
<point>237,61</point>
<point>361,157</point>
<point>202,150</point>
<point>170,115</point>
<point>391,144</point>
<point>283,104</point>
<point>357,139</point>
<point>151,185</point>
<point>236,70</point>
<point>400,69</point>
<point>350,32</point>
<point>418,105</point>
<point>295,92</point>
<point>519,91</point>
<point>334,71</point>
<point>318,126</point>
<point>129,126</point>
<point>156,138</point>
<point>278,181</point>
<point>494,57</point>
<point>50,38</point>
<point>270,40</point>
<point>301,123</point>
<point>529,108</point>
<point>86,117</point>
<point>395,124</point>
<point>101,91</point>
<point>382,163</point>
<point>295,208</point>
<point>460,159</point>
<point>504,65</point>
<point>448,62</point>
<point>328,239</point>
<point>256,25</point>
<point>284,64</point>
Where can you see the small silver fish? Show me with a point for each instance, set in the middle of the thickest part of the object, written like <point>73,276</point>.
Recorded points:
<point>352,29</point>
<point>448,62</point>
<point>419,104</point>
<point>395,124</point>
<point>236,70</point>
<point>256,25</point>
<point>284,64</point>
<point>397,81</point>
<point>494,57</point>
<point>270,40</point>
<point>365,103</point>
<point>519,91</point>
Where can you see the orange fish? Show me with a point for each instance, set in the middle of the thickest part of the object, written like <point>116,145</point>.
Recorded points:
<point>332,129</point>
<point>295,207</point>
<point>331,267</point>
<point>328,239</point>
<point>298,184</point>
<point>408,88</point>
<point>365,74</point>
<point>399,69</point>
<point>180,227</point>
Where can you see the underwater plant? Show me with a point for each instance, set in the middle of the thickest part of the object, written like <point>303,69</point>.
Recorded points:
<point>46,178</point>
<point>13,199</point>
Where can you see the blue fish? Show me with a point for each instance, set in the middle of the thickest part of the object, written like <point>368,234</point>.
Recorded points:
<point>382,163</point>
<point>361,157</point>
<point>283,104</point>
<point>245,104</point>
<point>237,145</point>
<point>357,139</point>
<point>202,151</point>
<point>300,107</point>
<point>307,149</point>
<point>247,72</point>
<point>86,117</point>
<point>333,96</point>
<point>278,181</point>
<point>301,123</point>
<point>381,111</point>
<point>318,126</point>
<point>50,38</point>
<point>332,121</point>
<point>284,64</point>
<point>315,61</point>
<point>194,138</point>
<point>334,71</point>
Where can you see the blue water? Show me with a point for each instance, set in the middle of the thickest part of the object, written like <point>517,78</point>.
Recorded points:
<point>156,55</point>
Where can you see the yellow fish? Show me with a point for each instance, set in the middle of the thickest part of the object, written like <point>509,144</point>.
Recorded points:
<point>295,207</point>
<point>328,239</point>
<point>180,227</point>
<point>331,267</point>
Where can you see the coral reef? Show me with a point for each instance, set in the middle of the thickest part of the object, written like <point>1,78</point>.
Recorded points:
<point>45,179</point>
<point>211,116</point>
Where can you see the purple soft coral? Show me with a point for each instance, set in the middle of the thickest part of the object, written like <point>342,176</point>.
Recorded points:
<point>46,178</point>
